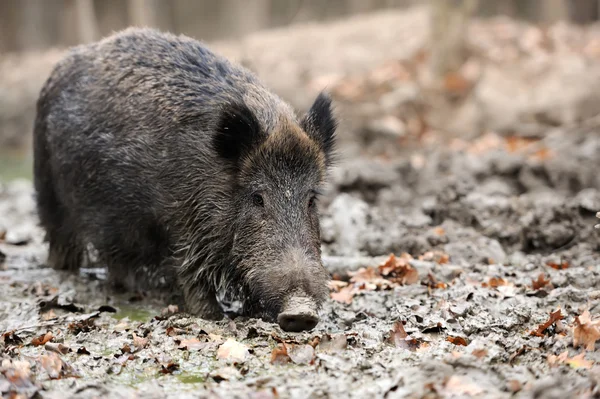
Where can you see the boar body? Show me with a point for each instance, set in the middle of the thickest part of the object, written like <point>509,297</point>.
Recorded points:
<point>186,175</point>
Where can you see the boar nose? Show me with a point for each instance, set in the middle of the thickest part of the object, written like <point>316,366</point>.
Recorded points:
<point>299,314</point>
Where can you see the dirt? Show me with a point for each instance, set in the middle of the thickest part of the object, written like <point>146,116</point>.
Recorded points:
<point>494,290</point>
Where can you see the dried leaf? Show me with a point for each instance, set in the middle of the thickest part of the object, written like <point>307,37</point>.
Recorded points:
<point>399,270</point>
<point>586,331</point>
<point>576,362</point>
<point>279,355</point>
<point>55,366</point>
<point>457,340</point>
<point>579,362</point>
<point>456,84</point>
<point>18,373</point>
<point>554,359</point>
<point>480,353</point>
<point>49,315</point>
<point>462,386</point>
<point>344,295</point>
<point>400,339</point>
<point>139,342</point>
<point>516,144</point>
<point>232,351</point>
<point>42,339</point>
<point>554,318</point>
<point>558,266</point>
<point>169,310</point>
<point>540,282</point>
<point>495,282</point>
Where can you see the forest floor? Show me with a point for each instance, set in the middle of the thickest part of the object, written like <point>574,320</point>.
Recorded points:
<point>487,199</point>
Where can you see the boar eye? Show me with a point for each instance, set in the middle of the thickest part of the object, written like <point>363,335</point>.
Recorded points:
<point>257,200</point>
<point>312,201</point>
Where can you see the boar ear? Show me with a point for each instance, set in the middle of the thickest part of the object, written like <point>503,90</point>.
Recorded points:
<point>237,132</point>
<point>320,124</point>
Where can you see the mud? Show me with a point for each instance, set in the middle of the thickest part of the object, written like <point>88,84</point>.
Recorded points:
<point>504,263</point>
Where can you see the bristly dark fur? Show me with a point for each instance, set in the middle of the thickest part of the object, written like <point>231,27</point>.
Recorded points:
<point>135,138</point>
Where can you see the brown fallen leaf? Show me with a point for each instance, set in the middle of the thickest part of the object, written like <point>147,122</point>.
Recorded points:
<point>56,367</point>
<point>516,143</point>
<point>558,266</point>
<point>49,315</point>
<point>169,310</point>
<point>579,362</point>
<point>438,257</point>
<point>433,283</point>
<point>368,278</point>
<point>140,342</point>
<point>462,386</point>
<point>18,373</point>
<point>479,353</point>
<point>457,340</point>
<point>586,331</point>
<point>42,339</point>
<point>555,317</point>
<point>540,282</point>
<point>576,362</point>
<point>279,355</point>
<point>232,351</point>
<point>400,338</point>
<point>399,270</point>
<point>514,385</point>
<point>494,282</point>
<point>557,359</point>
<point>344,295</point>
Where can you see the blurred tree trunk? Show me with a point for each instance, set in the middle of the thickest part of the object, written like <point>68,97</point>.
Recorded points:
<point>240,18</point>
<point>583,11</point>
<point>79,22</point>
<point>9,25</point>
<point>448,46</point>
<point>143,12</point>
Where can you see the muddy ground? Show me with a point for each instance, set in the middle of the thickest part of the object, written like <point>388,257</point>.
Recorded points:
<point>494,290</point>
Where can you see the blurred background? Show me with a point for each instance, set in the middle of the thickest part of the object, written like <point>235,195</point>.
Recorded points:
<point>38,24</point>
<point>398,69</point>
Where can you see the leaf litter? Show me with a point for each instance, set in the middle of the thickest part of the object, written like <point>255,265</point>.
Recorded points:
<point>500,231</point>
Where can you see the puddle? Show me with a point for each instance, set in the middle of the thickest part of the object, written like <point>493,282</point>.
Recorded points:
<point>15,164</point>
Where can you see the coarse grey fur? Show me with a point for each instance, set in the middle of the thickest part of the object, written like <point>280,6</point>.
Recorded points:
<point>184,172</point>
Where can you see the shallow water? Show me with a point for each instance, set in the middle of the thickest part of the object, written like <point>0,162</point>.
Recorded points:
<point>15,164</point>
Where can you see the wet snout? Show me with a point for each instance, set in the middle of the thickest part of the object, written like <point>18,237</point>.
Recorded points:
<point>299,314</point>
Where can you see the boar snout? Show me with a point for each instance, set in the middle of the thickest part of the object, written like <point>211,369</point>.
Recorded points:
<point>299,314</point>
